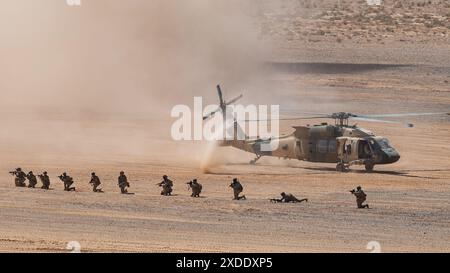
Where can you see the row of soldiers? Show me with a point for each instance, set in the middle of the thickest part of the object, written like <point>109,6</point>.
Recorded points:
<point>21,177</point>
<point>166,185</point>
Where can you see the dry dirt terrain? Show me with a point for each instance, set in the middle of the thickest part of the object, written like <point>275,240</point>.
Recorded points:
<point>359,71</point>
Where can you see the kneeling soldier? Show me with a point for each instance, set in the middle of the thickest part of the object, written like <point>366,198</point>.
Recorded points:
<point>123,183</point>
<point>195,187</point>
<point>166,185</point>
<point>20,177</point>
<point>45,179</point>
<point>95,182</point>
<point>237,189</point>
<point>32,180</point>
<point>360,197</point>
<point>68,181</point>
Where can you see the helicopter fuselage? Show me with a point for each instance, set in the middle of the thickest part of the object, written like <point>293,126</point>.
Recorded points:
<point>342,145</point>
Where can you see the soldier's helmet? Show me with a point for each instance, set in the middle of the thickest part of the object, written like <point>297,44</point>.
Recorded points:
<point>122,172</point>
<point>195,180</point>
<point>235,180</point>
<point>19,169</point>
<point>31,172</point>
<point>358,188</point>
<point>283,194</point>
<point>45,173</point>
<point>64,174</point>
<point>165,177</point>
<point>92,174</point>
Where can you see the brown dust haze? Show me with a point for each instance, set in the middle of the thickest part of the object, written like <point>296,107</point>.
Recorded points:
<point>97,82</point>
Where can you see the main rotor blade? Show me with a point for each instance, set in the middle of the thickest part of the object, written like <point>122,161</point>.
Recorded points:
<point>297,112</point>
<point>404,115</point>
<point>207,116</point>
<point>382,120</point>
<point>302,118</point>
<point>234,100</point>
<point>219,91</point>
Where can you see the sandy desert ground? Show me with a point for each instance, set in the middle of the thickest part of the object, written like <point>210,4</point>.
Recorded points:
<point>410,200</point>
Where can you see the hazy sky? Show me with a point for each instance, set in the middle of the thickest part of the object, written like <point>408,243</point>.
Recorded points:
<point>111,54</point>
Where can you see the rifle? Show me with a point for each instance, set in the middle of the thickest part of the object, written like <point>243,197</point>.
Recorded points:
<point>274,200</point>
<point>13,173</point>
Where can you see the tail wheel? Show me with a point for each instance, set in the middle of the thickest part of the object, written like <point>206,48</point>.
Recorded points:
<point>369,166</point>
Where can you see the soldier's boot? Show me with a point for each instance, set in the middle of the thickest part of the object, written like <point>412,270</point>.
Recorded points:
<point>303,200</point>
<point>361,206</point>
<point>240,197</point>
<point>123,190</point>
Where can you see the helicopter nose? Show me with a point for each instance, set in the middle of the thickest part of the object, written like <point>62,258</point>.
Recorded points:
<point>394,158</point>
<point>391,156</point>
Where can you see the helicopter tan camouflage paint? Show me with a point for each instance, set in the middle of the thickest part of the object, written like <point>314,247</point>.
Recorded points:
<point>340,143</point>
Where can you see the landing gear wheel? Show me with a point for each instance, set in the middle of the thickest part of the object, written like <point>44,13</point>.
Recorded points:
<point>369,166</point>
<point>340,167</point>
<point>253,162</point>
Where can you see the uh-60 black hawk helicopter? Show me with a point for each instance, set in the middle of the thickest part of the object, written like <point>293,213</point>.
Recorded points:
<point>341,143</point>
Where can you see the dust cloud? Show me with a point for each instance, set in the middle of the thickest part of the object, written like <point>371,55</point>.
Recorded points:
<point>97,82</point>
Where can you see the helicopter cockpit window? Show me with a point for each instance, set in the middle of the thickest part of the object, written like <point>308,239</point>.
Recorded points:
<point>384,143</point>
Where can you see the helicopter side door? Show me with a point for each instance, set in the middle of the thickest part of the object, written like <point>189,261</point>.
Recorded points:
<point>347,149</point>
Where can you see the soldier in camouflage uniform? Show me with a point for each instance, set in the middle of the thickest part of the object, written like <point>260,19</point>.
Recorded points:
<point>123,183</point>
<point>288,198</point>
<point>45,179</point>
<point>95,182</point>
<point>32,180</point>
<point>68,181</point>
<point>20,177</point>
<point>237,189</point>
<point>195,187</point>
<point>166,185</point>
<point>360,197</point>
